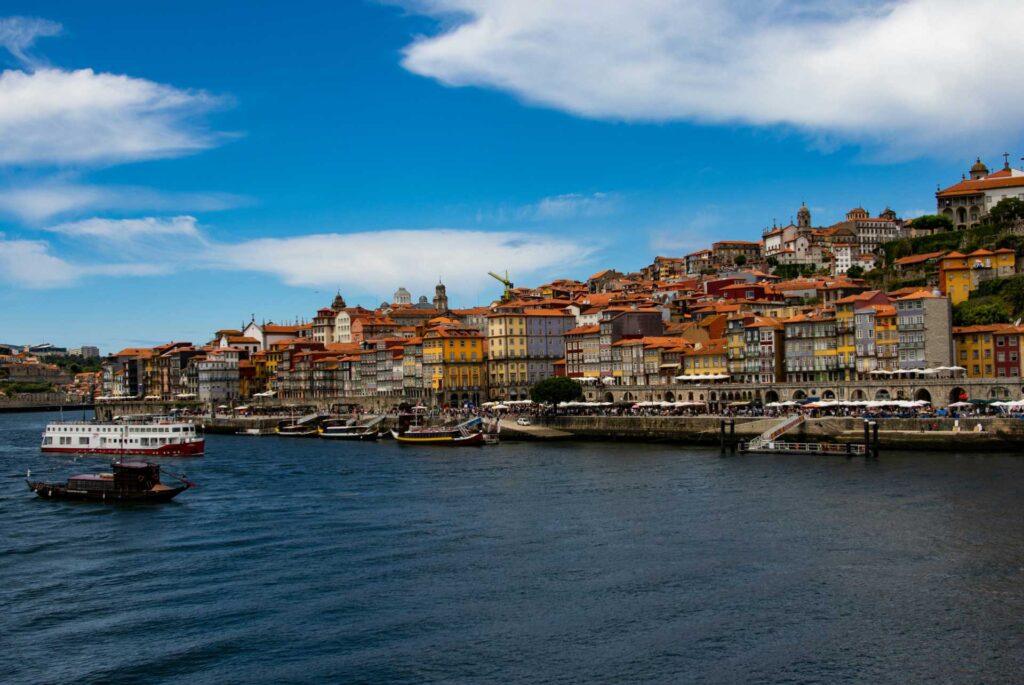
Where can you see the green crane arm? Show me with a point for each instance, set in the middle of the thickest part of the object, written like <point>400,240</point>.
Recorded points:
<point>507,295</point>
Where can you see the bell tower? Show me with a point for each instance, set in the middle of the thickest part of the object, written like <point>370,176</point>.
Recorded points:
<point>803,217</point>
<point>440,297</point>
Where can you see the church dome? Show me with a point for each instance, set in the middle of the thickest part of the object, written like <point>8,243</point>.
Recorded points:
<point>979,166</point>
<point>402,296</point>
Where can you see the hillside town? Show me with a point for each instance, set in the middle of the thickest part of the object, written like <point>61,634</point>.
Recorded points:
<point>820,309</point>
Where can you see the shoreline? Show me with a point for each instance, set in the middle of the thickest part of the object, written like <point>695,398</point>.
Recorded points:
<point>1001,433</point>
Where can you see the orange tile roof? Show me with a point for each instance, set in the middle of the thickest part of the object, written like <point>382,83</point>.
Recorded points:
<point>980,185</point>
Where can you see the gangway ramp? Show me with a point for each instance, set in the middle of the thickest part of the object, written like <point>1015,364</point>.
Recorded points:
<point>776,431</point>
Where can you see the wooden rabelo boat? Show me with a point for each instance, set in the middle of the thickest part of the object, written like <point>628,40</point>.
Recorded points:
<point>340,429</point>
<point>292,429</point>
<point>129,481</point>
<point>467,434</point>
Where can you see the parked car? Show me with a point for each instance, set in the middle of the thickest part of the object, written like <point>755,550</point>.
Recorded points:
<point>523,421</point>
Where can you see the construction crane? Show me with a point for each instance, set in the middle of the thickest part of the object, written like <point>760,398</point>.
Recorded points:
<point>507,295</point>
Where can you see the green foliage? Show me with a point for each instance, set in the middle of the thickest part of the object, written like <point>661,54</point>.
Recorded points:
<point>24,387</point>
<point>772,262</point>
<point>1007,213</point>
<point>934,222</point>
<point>904,247</point>
<point>74,364</point>
<point>740,260</point>
<point>981,311</point>
<point>555,390</point>
<point>1008,292</point>
<point>794,270</point>
<point>855,271</point>
<point>896,284</point>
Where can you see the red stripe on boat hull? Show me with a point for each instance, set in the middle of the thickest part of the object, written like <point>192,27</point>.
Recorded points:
<point>189,449</point>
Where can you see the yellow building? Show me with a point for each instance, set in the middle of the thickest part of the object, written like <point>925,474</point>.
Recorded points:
<point>706,360</point>
<point>960,274</point>
<point>989,351</point>
<point>886,338</point>
<point>454,363</point>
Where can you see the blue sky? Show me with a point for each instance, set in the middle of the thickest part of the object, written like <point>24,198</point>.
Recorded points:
<point>171,169</point>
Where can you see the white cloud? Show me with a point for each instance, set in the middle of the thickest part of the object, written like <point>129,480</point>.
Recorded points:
<point>51,116</point>
<point>909,76</point>
<point>572,205</point>
<point>376,261</point>
<point>18,34</point>
<point>30,264</point>
<point>130,229</point>
<point>372,261</point>
<point>53,198</point>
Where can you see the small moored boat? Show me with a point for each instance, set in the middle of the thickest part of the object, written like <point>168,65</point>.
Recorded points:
<point>465,434</point>
<point>129,481</point>
<point>292,429</point>
<point>340,429</point>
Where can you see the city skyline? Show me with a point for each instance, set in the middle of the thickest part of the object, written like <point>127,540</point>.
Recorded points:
<point>379,145</point>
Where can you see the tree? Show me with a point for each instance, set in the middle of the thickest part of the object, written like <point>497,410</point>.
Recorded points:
<point>933,222</point>
<point>740,260</point>
<point>855,271</point>
<point>772,262</point>
<point>1007,213</point>
<point>555,390</point>
<point>980,313</point>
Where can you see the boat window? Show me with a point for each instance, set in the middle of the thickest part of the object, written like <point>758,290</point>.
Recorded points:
<point>48,441</point>
<point>83,440</point>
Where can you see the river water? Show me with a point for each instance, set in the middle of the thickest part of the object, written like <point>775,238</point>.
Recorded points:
<point>301,561</point>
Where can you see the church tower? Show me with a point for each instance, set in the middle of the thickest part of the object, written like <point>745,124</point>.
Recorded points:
<point>803,217</point>
<point>339,302</point>
<point>440,298</point>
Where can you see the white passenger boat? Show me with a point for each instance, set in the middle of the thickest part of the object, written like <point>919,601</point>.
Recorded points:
<point>151,436</point>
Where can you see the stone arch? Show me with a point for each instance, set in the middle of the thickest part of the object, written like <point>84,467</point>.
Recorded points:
<point>975,213</point>
<point>858,395</point>
<point>799,395</point>
<point>999,393</point>
<point>627,397</point>
<point>701,397</point>
<point>957,395</point>
<point>961,215</point>
<point>670,397</point>
<point>689,396</point>
<point>608,397</point>
<point>882,395</point>
<point>923,395</point>
<point>828,395</point>
<point>770,396</point>
<point>713,397</point>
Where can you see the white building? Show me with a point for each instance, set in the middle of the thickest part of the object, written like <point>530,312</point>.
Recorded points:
<point>967,202</point>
